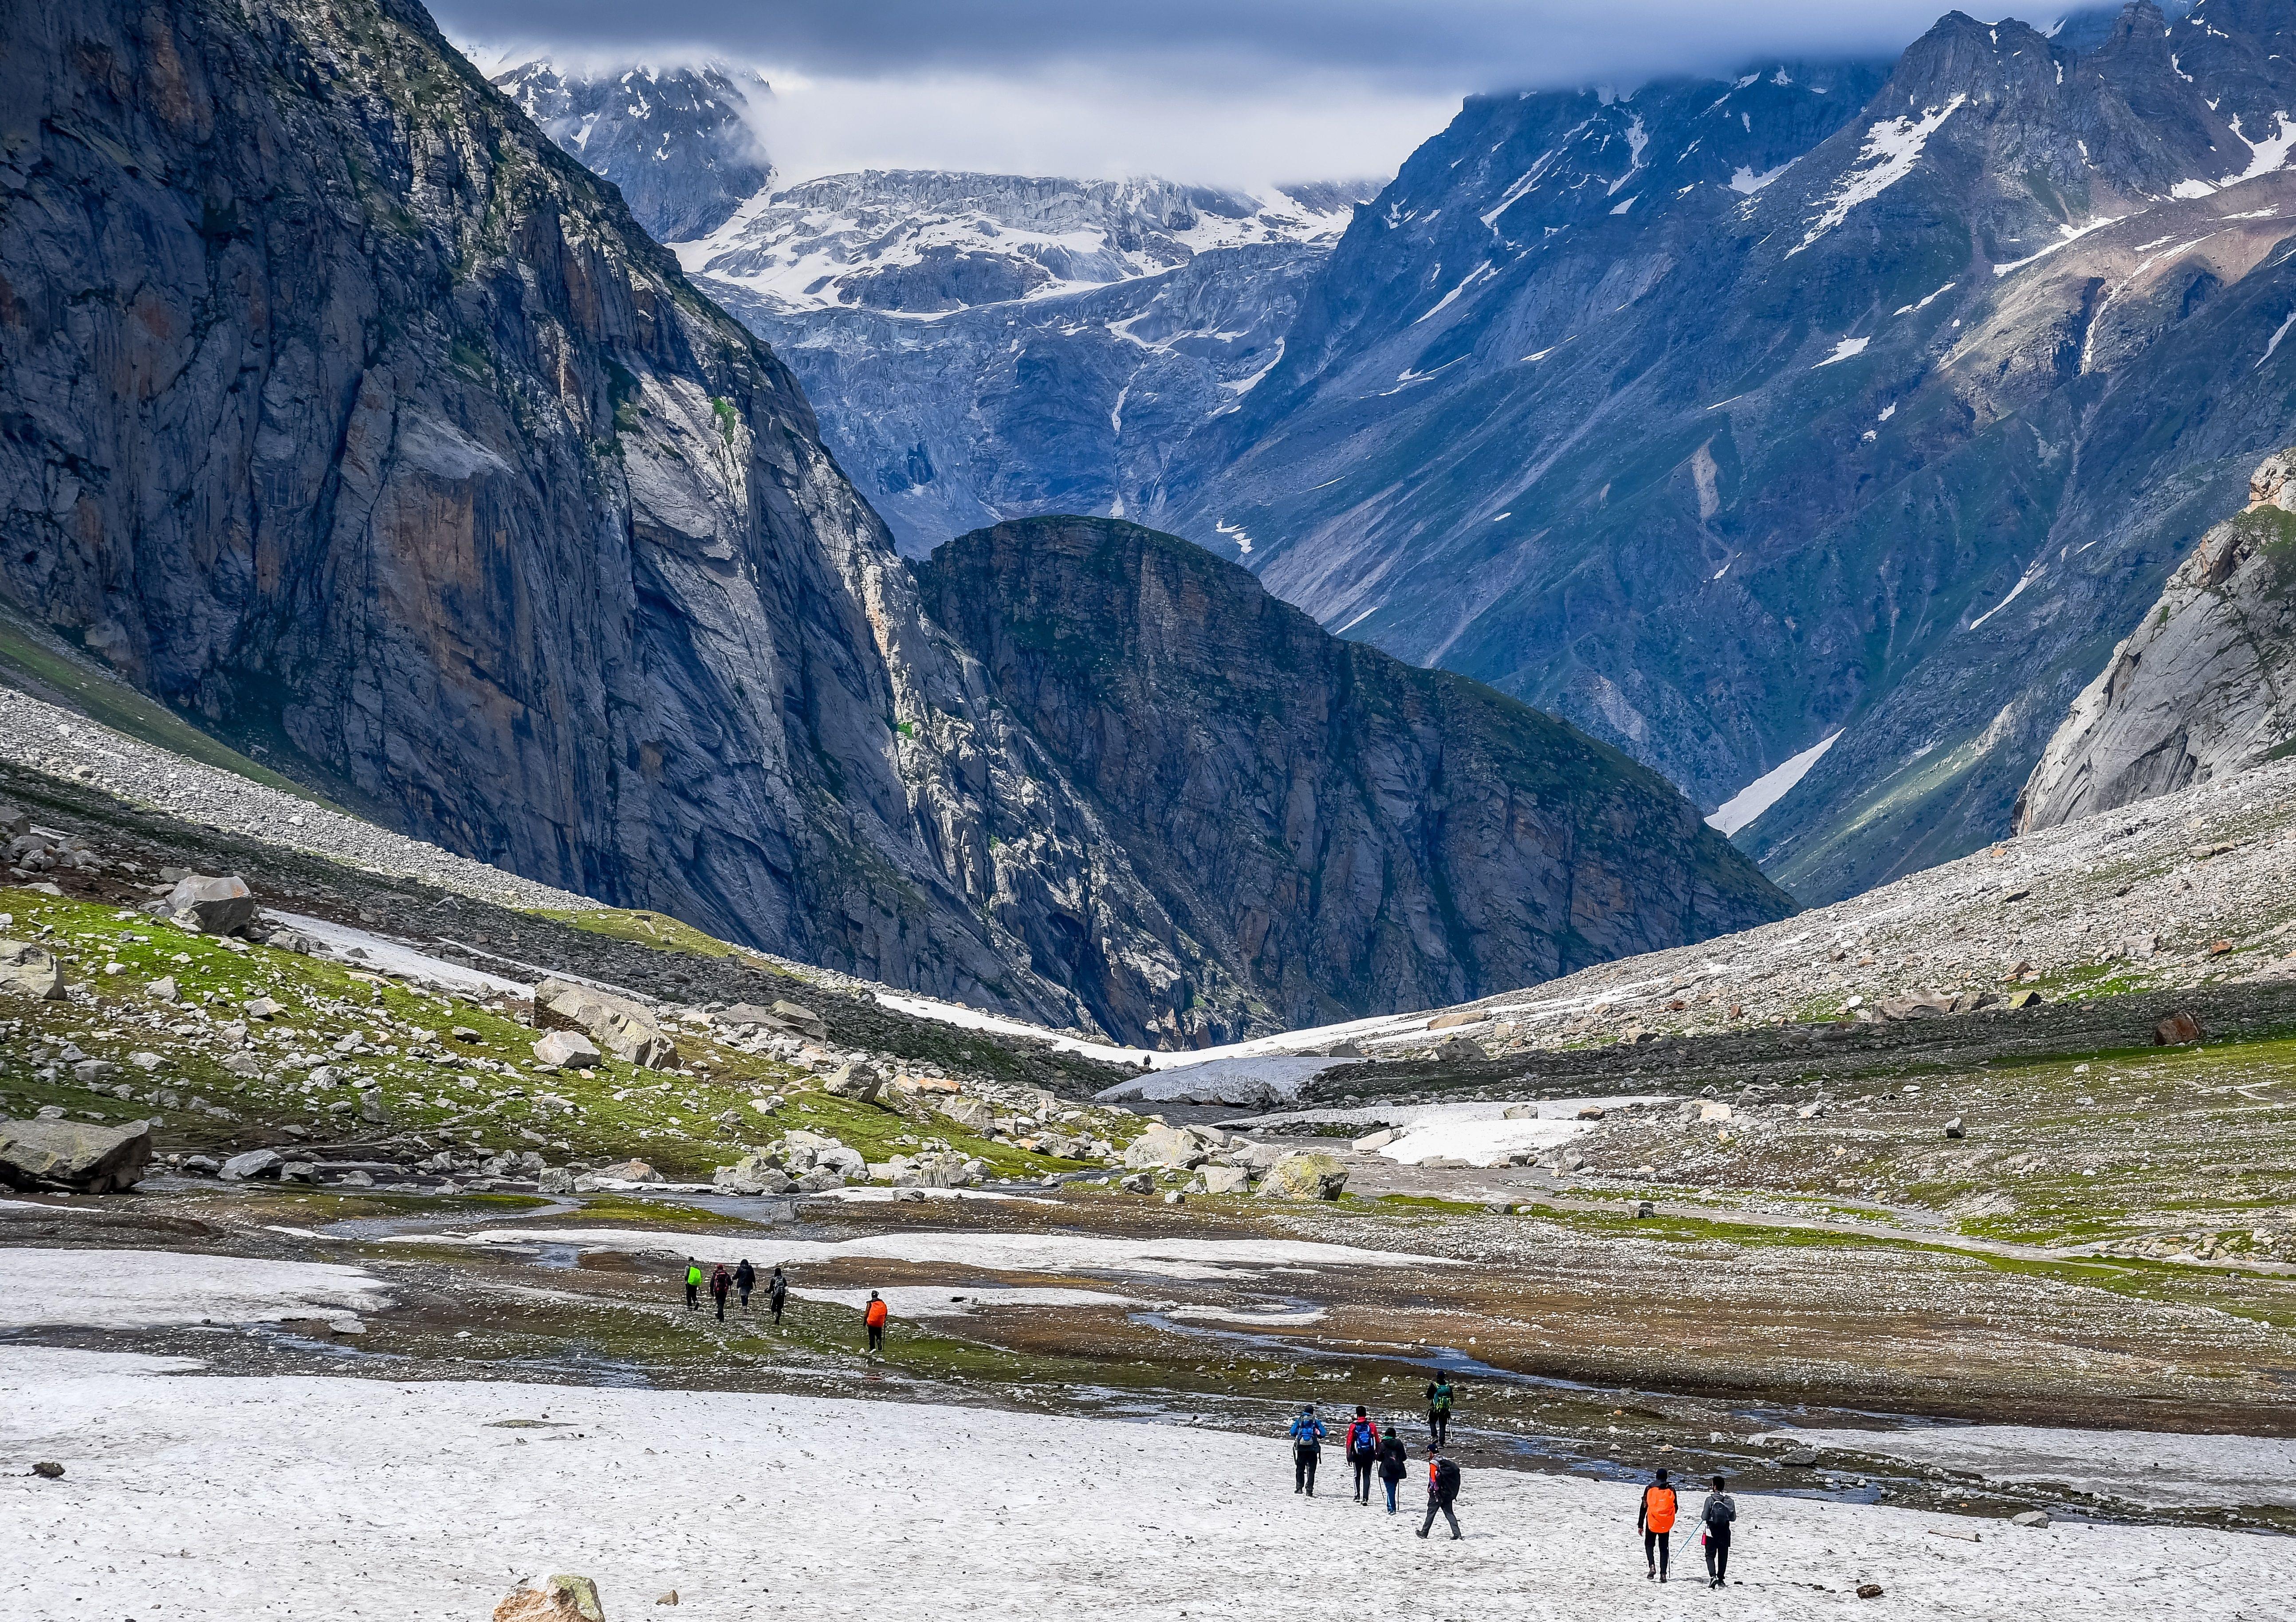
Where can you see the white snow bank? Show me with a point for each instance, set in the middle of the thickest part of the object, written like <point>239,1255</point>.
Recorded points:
<point>1893,147</point>
<point>1179,1258</point>
<point>161,1289</point>
<point>873,1193</point>
<point>32,1366</point>
<point>2156,1469</point>
<point>943,1301</point>
<point>363,949</point>
<point>237,1499</point>
<point>1239,1082</point>
<point>1480,1142</point>
<point>1353,1120</point>
<point>1766,790</point>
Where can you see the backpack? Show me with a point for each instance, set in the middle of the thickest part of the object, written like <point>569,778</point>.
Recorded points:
<point>1447,1480</point>
<point>1721,1511</point>
<point>1359,1439</point>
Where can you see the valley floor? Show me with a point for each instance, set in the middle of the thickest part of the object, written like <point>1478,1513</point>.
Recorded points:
<point>225,1498</point>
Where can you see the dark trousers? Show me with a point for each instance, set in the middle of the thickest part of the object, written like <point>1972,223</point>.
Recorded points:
<point>1654,1548</point>
<point>1436,1506</point>
<point>1717,1552</point>
<point>876,1337</point>
<point>721,1304</point>
<point>1439,1425</point>
<point>1390,1486</point>
<point>776,1303</point>
<point>693,1297</point>
<point>1363,1477</point>
<point>745,1297</point>
<point>1304,1460</point>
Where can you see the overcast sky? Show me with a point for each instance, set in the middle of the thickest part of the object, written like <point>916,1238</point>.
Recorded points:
<point>1238,91</point>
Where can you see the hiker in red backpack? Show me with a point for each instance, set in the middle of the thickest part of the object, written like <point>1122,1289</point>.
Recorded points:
<point>1442,1491</point>
<point>1655,1521</point>
<point>721,1285</point>
<point>873,1319</point>
<point>1363,1449</point>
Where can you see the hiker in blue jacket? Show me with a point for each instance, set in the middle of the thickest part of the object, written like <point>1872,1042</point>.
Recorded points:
<point>1307,1450</point>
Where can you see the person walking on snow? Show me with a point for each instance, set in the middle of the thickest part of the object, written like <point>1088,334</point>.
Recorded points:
<point>873,1319</point>
<point>692,1285</point>
<point>1363,1449</point>
<point>1442,1491</point>
<point>1438,1410</point>
<point>721,1285</point>
<point>1307,1435</point>
<point>1655,1521</point>
<point>777,1293</point>
<point>1394,1459</point>
<point>745,1279</point>
<point>1720,1511</point>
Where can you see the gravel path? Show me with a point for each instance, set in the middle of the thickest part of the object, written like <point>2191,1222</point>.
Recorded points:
<point>44,738</point>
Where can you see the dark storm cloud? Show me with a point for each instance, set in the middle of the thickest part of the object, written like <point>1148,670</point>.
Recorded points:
<point>1463,44</point>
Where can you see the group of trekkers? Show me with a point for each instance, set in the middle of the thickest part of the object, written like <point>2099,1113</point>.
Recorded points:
<point>1369,1450</point>
<point>743,1278</point>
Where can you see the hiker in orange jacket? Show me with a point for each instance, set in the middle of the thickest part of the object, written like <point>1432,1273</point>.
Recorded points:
<point>873,1318</point>
<point>1655,1521</point>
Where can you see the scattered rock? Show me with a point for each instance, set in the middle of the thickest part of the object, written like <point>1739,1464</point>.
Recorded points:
<point>630,1171</point>
<point>1712,1111</point>
<point>1373,1141</point>
<point>2178,1029</point>
<point>74,1157</point>
<point>1176,1198</point>
<point>30,970</point>
<point>161,990</point>
<point>1138,1183</point>
<point>1453,1020</point>
<point>212,906</point>
<point>1799,1458</point>
<point>859,1082</point>
<point>972,1114</point>
<point>1173,1146</point>
<point>623,1028</point>
<point>1645,1209</point>
<point>1313,1176</point>
<point>752,1174</point>
<point>1458,1050</point>
<point>48,1469</point>
<point>803,1018</point>
<point>668,1599</point>
<point>1954,1129</point>
<point>1224,1179</point>
<point>2024,999</point>
<point>567,1047</point>
<point>2031,1517</point>
<point>557,1180</point>
<point>552,1598</point>
<point>1869,1591</point>
<point>254,1163</point>
<point>1588,1112</point>
<point>262,1008</point>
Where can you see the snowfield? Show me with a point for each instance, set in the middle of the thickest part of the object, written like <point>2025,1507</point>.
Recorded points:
<point>2155,1470</point>
<point>1062,1253</point>
<point>193,1499</point>
<point>169,1289</point>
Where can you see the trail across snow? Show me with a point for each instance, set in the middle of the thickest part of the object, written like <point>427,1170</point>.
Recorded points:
<point>195,1499</point>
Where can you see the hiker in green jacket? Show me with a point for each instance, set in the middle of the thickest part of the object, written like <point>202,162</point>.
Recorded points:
<point>1438,1409</point>
<point>693,1285</point>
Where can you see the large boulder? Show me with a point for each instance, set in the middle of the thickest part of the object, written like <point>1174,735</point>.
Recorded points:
<point>1314,1175</point>
<point>212,906</point>
<point>73,1157</point>
<point>563,1598</point>
<point>972,1114</point>
<point>752,1174</point>
<point>1224,1179</point>
<point>622,1026</point>
<point>254,1163</point>
<point>30,970</point>
<point>1161,1146</point>
<point>859,1082</point>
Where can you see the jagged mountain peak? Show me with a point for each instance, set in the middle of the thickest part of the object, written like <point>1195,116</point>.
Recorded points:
<point>679,141</point>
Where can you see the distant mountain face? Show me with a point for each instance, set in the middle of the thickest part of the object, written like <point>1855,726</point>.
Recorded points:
<point>1346,832</point>
<point>1731,414</point>
<point>678,142</point>
<point>2204,686</point>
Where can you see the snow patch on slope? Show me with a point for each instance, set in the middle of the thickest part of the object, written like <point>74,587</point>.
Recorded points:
<point>1766,790</point>
<point>1893,147</point>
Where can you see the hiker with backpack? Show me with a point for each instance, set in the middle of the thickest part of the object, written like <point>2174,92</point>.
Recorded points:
<point>1363,1448</point>
<point>693,1285</point>
<point>1655,1521</point>
<point>1720,1511</point>
<point>745,1279</point>
<point>1438,1410</point>
<point>777,1293</point>
<point>1442,1492</point>
<point>1394,1459</point>
<point>1307,1435</point>
<point>873,1319</point>
<point>721,1285</point>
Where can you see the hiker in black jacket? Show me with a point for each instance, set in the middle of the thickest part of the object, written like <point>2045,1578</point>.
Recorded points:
<point>1438,1410</point>
<point>777,1293</point>
<point>745,1280</point>
<point>1394,1459</point>
<point>1720,1512</point>
<point>1442,1490</point>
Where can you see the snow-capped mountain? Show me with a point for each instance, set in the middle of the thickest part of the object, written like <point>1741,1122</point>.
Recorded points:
<point>922,241</point>
<point>1879,405</point>
<point>678,142</point>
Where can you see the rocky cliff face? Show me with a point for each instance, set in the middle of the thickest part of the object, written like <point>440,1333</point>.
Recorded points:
<point>348,415</point>
<point>2205,686</point>
<point>678,142</point>
<point>1351,834</point>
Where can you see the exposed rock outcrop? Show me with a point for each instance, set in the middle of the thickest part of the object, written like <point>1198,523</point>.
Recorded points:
<point>73,1157</point>
<point>2204,686</point>
<point>1350,834</point>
